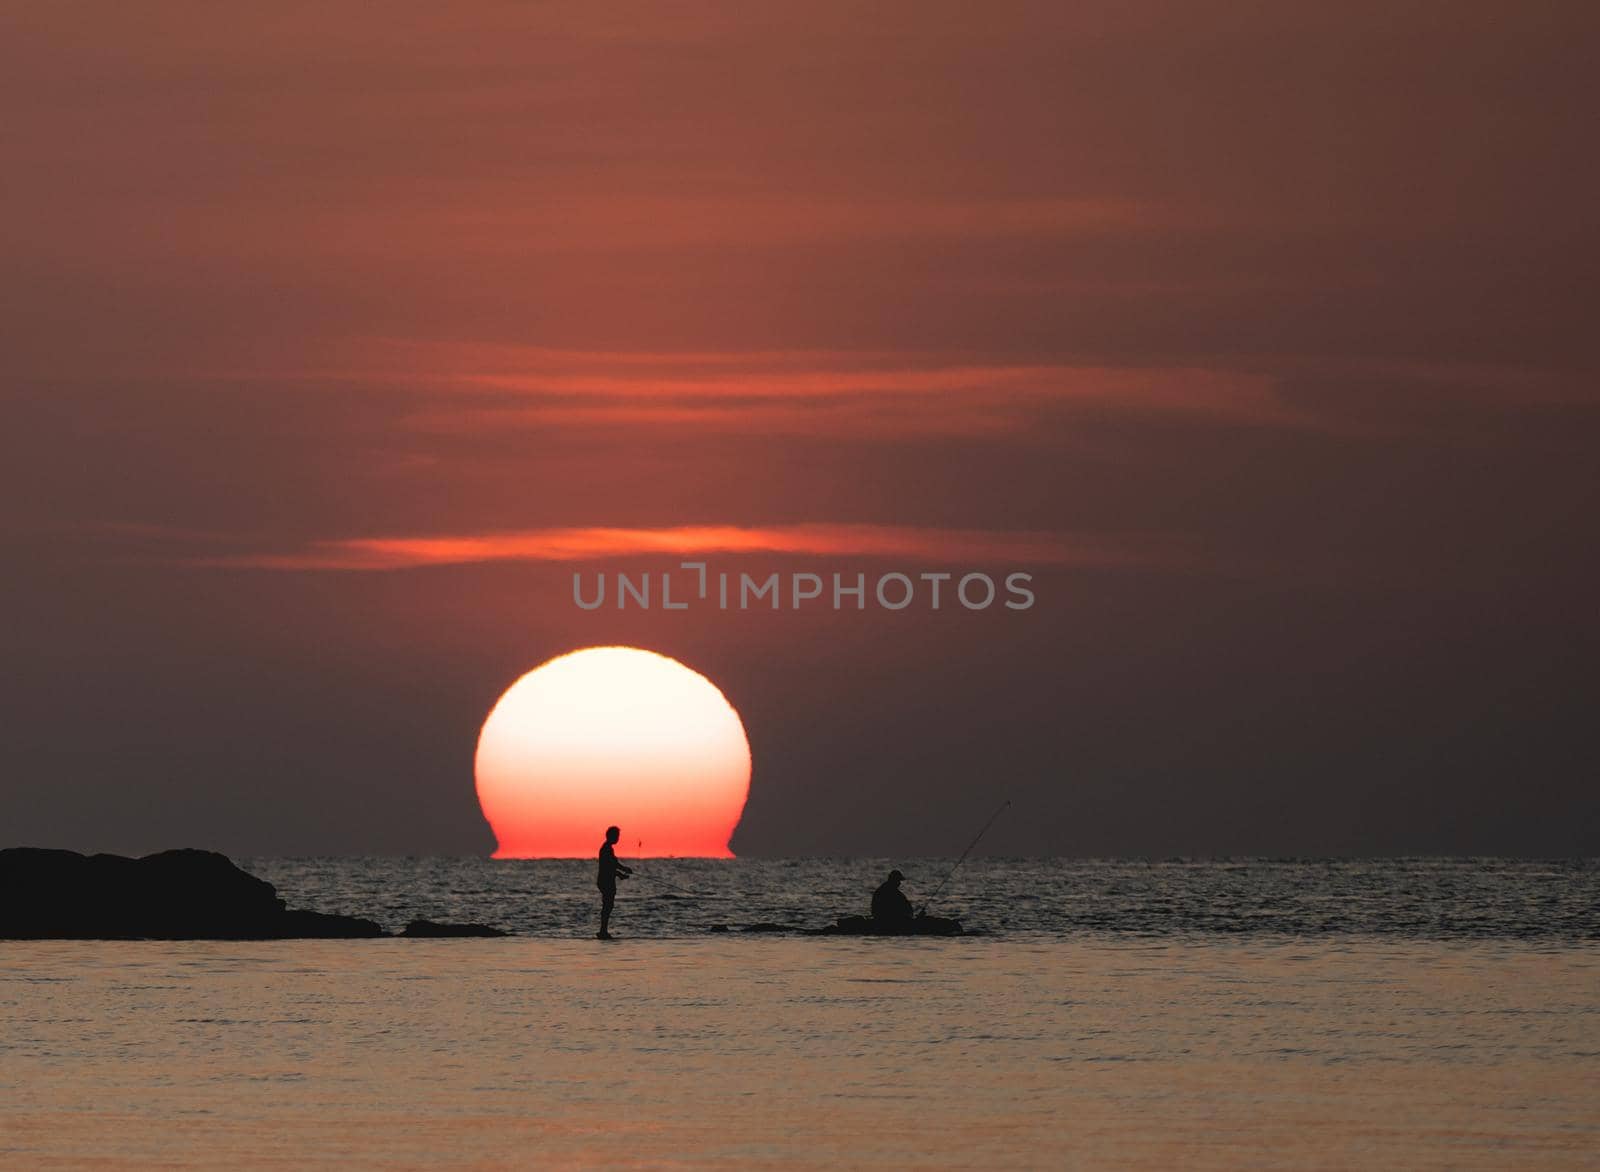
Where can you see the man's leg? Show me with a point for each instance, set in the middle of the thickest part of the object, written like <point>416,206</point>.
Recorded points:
<point>608,897</point>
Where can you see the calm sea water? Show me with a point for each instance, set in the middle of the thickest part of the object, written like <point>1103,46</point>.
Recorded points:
<point>1415,898</point>
<point>1416,1014</point>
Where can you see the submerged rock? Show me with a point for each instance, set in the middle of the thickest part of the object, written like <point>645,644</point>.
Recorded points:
<point>172,895</point>
<point>428,929</point>
<point>920,926</point>
<point>303,925</point>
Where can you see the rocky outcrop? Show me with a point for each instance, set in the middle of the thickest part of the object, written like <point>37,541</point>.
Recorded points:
<point>764,926</point>
<point>428,930</point>
<point>920,926</point>
<point>173,895</point>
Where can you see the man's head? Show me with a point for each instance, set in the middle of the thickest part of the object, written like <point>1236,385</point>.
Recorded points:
<point>612,834</point>
<point>895,877</point>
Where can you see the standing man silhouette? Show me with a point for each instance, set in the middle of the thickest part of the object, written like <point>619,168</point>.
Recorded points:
<point>606,880</point>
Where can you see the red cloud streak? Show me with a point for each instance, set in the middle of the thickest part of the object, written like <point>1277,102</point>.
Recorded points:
<point>593,543</point>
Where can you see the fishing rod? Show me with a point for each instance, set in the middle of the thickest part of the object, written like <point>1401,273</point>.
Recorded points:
<point>1004,806</point>
<point>662,882</point>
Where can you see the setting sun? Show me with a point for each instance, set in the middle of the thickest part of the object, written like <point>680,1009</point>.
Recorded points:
<point>613,735</point>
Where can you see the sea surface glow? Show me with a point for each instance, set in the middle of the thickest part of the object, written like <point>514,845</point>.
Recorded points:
<point>1419,1014</point>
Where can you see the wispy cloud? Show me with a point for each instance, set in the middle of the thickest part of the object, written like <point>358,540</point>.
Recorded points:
<point>658,221</point>
<point>595,543</point>
<point>470,389</point>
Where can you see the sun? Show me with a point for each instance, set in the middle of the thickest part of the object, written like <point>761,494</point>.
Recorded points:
<point>613,736</point>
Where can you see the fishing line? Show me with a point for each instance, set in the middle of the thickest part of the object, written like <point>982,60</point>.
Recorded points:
<point>662,882</point>
<point>1004,806</point>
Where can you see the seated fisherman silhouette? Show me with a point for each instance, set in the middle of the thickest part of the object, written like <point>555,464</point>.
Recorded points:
<point>890,906</point>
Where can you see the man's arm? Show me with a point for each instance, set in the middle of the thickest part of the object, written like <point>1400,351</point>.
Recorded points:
<point>623,871</point>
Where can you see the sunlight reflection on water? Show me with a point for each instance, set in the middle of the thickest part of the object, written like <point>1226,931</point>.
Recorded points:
<point>802,1052</point>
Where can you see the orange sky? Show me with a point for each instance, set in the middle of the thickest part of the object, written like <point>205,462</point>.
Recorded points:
<point>1260,331</point>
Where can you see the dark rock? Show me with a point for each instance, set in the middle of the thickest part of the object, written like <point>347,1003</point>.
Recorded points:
<point>430,930</point>
<point>766,927</point>
<point>303,925</point>
<point>867,926</point>
<point>717,928</point>
<point>172,895</point>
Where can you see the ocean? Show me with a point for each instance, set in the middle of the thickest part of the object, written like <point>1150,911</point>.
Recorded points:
<point>1420,898</point>
<point>1204,1014</point>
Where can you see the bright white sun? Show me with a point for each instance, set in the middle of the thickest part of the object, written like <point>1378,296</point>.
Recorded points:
<point>613,735</point>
